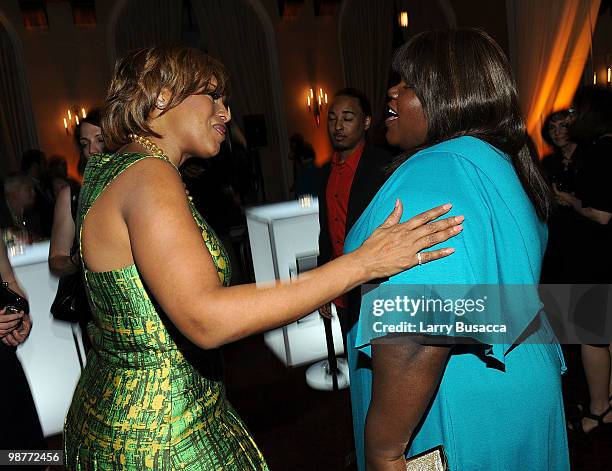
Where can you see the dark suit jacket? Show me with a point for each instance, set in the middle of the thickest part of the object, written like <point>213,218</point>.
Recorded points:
<point>369,177</point>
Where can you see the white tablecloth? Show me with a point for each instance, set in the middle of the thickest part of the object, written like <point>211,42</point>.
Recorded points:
<point>49,356</point>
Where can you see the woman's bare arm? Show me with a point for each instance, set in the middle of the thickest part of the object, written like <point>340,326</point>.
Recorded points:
<point>166,245</point>
<point>596,215</point>
<point>404,379</point>
<point>62,236</point>
<point>600,217</point>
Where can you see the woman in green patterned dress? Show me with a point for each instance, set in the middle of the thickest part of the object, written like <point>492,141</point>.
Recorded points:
<point>152,395</point>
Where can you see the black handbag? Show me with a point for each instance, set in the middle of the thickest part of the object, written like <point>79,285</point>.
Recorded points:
<point>70,303</point>
<point>11,300</point>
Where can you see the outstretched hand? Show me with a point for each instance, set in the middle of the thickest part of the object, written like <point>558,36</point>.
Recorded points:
<point>395,247</point>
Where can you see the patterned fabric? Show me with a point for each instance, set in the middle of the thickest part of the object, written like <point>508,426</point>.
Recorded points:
<point>149,398</point>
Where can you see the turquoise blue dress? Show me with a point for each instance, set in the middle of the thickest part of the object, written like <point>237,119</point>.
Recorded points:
<point>499,407</point>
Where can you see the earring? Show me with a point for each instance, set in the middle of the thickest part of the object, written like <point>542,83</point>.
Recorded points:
<point>160,104</point>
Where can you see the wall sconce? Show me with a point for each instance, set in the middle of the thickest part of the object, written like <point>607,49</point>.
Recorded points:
<point>71,119</point>
<point>316,105</point>
<point>594,78</point>
<point>402,19</point>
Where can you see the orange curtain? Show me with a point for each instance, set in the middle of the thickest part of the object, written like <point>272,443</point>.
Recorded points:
<point>550,41</point>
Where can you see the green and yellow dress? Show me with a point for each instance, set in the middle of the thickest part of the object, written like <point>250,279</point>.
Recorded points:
<point>149,398</point>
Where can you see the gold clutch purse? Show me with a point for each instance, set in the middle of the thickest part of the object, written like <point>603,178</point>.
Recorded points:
<point>430,460</point>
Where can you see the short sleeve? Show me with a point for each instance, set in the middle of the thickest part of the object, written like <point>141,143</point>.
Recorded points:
<point>473,270</point>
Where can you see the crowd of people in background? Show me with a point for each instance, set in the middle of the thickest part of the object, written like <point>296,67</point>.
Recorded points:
<point>27,211</point>
<point>41,201</point>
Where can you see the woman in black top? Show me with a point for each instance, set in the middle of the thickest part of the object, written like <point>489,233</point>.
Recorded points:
<point>63,259</point>
<point>561,168</point>
<point>63,249</point>
<point>593,201</point>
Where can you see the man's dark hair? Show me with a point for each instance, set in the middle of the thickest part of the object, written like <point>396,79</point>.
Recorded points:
<point>361,97</point>
<point>31,157</point>
<point>593,113</point>
<point>464,83</point>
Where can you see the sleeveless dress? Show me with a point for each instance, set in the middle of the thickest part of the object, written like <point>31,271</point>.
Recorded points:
<point>148,398</point>
<point>498,407</point>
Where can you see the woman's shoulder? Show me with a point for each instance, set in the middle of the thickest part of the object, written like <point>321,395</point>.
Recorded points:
<point>477,152</point>
<point>431,177</point>
<point>138,172</point>
<point>464,171</point>
<point>106,166</point>
<point>116,159</point>
<point>452,161</point>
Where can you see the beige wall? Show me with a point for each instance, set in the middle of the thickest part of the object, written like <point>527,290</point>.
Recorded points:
<point>309,56</point>
<point>309,53</point>
<point>66,65</point>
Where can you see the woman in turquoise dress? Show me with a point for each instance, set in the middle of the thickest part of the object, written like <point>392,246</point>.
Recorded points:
<point>495,404</point>
<point>157,278</point>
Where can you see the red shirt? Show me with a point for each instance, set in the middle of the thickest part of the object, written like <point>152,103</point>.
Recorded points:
<point>337,198</point>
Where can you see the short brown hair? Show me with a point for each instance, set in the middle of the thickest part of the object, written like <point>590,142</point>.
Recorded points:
<point>138,79</point>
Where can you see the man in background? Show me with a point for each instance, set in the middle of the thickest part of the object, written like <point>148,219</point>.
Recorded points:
<point>349,182</point>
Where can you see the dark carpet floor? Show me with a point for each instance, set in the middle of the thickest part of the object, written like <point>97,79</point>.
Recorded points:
<point>298,428</point>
